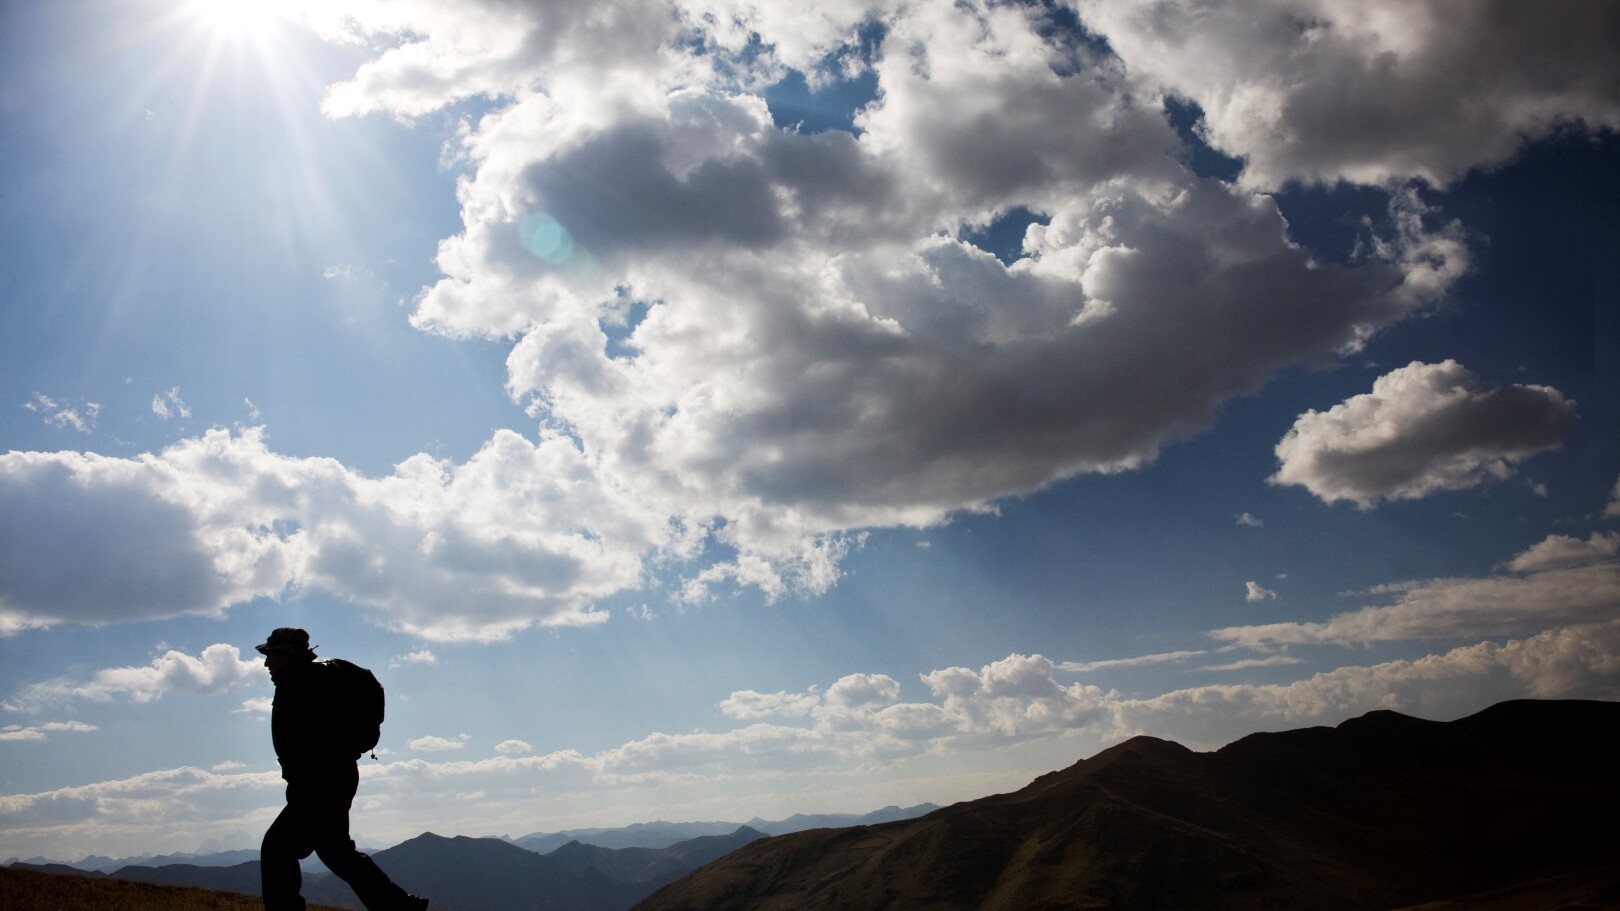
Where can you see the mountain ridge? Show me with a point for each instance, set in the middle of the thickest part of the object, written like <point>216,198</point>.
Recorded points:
<point>1382,811</point>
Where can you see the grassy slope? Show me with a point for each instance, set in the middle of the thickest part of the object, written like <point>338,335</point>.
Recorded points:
<point>30,890</point>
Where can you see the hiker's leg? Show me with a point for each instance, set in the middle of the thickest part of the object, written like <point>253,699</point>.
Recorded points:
<point>286,842</point>
<point>335,849</point>
<point>370,884</point>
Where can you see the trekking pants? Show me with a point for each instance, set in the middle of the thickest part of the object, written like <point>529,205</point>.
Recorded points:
<point>316,819</point>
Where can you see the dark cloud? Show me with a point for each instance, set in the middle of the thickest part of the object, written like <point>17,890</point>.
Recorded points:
<point>88,540</point>
<point>1375,91</point>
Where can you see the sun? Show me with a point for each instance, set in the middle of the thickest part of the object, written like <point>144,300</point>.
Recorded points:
<point>239,18</point>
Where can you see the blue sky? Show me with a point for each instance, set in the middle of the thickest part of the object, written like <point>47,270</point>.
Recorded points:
<point>708,410</point>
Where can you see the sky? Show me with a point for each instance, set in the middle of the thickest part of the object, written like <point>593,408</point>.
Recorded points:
<point>704,409</point>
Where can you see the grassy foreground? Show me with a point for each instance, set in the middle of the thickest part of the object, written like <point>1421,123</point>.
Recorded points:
<point>31,890</point>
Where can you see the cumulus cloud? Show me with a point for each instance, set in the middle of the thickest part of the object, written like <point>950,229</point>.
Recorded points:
<point>217,668</point>
<point>1378,91</point>
<point>1423,428</point>
<point>1254,591</point>
<point>1559,582</point>
<point>522,533</point>
<point>1613,509</point>
<point>816,352</point>
<point>1249,519</point>
<point>513,748</point>
<point>1014,697</point>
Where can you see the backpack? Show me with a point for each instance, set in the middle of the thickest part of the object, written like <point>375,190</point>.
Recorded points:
<point>357,706</point>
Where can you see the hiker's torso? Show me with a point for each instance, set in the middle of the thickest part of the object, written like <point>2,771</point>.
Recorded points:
<point>302,725</point>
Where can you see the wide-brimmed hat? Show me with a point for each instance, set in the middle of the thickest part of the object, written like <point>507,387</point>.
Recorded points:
<point>285,639</point>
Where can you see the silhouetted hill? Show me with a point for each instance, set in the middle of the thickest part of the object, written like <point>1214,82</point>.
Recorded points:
<point>697,852</point>
<point>239,878</point>
<point>1514,807</point>
<point>490,874</point>
<point>52,868</point>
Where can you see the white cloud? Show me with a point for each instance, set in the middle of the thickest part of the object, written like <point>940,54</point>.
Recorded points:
<point>1375,91</point>
<point>1564,582</point>
<point>60,415</point>
<point>1014,697</point>
<point>1249,519</point>
<point>1424,428</point>
<point>217,668</point>
<point>432,744</point>
<point>748,705</point>
<point>420,656</point>
<point>17,732</point>
<point>513,748</point>
<point>169,404</point>
<point>519,534</point>
<point>1243,664</point>
<point>260,705</point>
<point>1254,591</point>
<point>143,808</point>
<point>1138,661</point>
<point>863,691</point>
<point>1613,509</point>
<point>438,52</point>
<point>1563,551</point>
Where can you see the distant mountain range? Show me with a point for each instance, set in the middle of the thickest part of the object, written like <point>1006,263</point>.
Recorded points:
<point>100,864</point>
<point>664,834</point>
<point>494,874</point>
<point>1517,807</point>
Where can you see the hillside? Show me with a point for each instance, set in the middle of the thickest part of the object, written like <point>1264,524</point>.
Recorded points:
<point>1511,808</point>
<point>35,890</point>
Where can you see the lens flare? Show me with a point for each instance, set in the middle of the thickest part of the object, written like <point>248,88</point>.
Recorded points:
<point>546,238</point>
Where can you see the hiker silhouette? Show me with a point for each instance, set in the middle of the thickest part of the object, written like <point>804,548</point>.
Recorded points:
<point>317,750</point>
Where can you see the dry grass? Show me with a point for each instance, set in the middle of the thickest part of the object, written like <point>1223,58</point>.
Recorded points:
<point>31,890</point>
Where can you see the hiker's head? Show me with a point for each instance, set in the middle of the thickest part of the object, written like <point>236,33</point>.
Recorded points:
<point>285,646</point>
